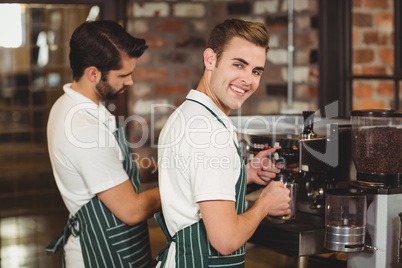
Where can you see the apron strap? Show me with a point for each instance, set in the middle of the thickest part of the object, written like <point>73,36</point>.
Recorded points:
<point>162,255</point>
<point>58,243</point>
<point>209,110</point>
<point>219,120</point>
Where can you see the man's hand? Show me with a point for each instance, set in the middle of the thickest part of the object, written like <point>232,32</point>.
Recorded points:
<point>275,199</point>
<point>261,170</point>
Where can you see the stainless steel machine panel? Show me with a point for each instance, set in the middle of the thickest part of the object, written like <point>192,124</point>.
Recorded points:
<point>400,239</point>
<point>382,227</point>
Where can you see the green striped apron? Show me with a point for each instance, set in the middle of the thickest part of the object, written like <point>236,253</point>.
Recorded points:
<point>105,240</point>
<point>193,248</point>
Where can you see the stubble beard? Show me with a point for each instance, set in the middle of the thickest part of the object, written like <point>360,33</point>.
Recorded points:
<point>106,91</point>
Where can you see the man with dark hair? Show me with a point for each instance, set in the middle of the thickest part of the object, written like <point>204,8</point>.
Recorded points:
<point>91,157</point>
<point>202,178</point>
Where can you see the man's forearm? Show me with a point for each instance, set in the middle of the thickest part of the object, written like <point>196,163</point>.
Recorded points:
<point>228,231</point>
<point>152,202</point>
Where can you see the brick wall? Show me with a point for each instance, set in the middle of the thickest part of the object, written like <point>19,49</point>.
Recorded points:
<point>373,52</point>
<point>177,31</point>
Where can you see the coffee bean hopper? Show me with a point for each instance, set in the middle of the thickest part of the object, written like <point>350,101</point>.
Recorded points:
<point>377,156</point>
<point>377,147</point>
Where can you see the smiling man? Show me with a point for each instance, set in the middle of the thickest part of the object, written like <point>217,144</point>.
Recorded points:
<point>203,202</point>
<point>91,158</point>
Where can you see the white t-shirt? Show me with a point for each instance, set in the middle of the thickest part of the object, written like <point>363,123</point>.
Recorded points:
<point>197,161</point>
<point>84,153</point>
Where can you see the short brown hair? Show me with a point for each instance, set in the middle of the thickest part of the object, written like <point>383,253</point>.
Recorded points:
<point>254,32</point>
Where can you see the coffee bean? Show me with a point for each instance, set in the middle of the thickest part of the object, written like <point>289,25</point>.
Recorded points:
<point>378,150</point>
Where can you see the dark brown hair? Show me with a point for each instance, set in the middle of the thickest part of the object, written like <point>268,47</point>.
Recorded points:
<point>102,44</point>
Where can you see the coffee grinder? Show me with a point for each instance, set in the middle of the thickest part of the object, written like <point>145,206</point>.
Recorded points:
<point>377,155</point>
<point>345,220</point>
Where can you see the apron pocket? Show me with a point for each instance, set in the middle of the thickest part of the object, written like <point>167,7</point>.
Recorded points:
<point>234,261</point>
<point>131,244</point>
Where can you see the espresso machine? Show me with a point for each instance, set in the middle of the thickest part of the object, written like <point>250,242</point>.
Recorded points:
<point>349,195</point>
<point>315,152</point>
<point>371,237</point>
<point>315,155</point>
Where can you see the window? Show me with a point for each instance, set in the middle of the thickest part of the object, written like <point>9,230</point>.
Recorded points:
<point>34,71</point>
<point>11,20</point>
<point>360,60</point>
<point>373,74</point>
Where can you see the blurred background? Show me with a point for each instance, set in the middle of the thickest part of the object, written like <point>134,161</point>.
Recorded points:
<point>321,52</point>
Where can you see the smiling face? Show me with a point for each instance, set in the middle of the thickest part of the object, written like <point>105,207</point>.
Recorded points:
<point>116,81</point>
<point>237,75</point>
